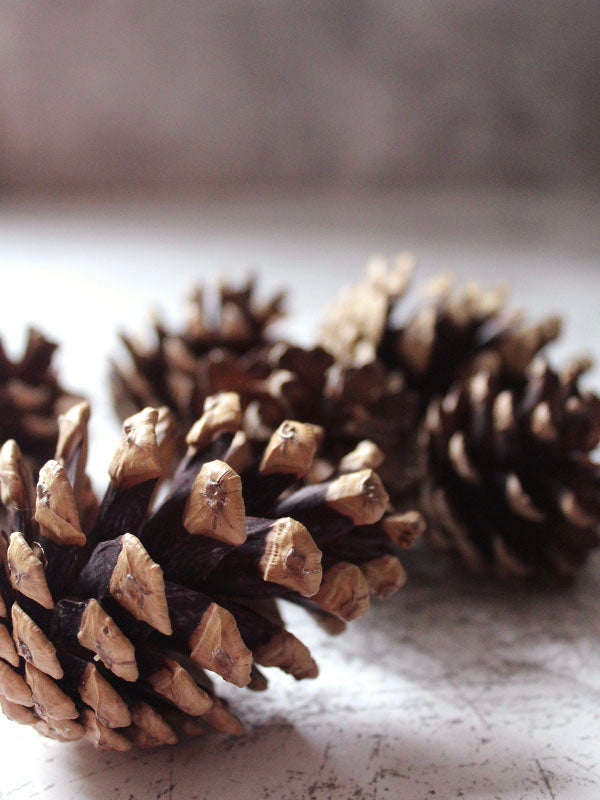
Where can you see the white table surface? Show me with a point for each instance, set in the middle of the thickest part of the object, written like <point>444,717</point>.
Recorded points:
<point>454,689</point>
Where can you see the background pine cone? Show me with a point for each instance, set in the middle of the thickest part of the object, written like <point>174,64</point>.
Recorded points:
<point>509,481</point>
<point>449,336</point>
<point>218,349</point>
<point>112,616</point>
<point>230,351</point>
<point>350,403</point>
<point>31,397</point>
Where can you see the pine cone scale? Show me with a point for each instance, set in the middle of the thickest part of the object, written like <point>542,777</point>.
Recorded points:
<point>119,612</point>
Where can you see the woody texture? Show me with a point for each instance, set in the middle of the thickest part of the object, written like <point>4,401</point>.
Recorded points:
<point>31,397</point>
<point>118,618</point>
<point>511,483</point>
<point>217,348</point>
<point>391,363</point>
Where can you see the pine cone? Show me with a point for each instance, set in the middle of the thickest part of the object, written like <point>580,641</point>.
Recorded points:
<point>350,403</point>
<point>449,336</point>
<point>217,350</point>
<point>510,483</point>
<point>112,616</point>
<point>31,398</point>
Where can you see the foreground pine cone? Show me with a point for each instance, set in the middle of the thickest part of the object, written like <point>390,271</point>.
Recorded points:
<point>221,339</point>
<point>113,616</point>
<point>31,398</point>
<point>404,363</point>
<point>510,483</point>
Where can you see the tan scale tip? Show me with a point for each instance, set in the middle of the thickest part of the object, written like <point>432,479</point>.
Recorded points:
<point>216,645</point>
<point>138,585</point>
<point>358,495</point>
<point>215,506</point>
<point>15,712</point>
<point>289,654</point>
<point>72,431</point>
<point>366,455</point>
<point>13,687</point>
<point>222,414</point>
<point>137,457</point>
<point>107,704</point>
<point>405,528</point>
<point>64,730</point>
<point>384,575</point>
<point>26,572</point>
<point>291,558</point>
<point>519,501</point>
<point>174,683</point>
<point>503,412</point>
<point>344,592</point>
<point>418,338</point>
<point>239,455</point>
<point>166,438</point>
<point>461,460</point>
<point>542,425</point>
<point>573,511</point>
<point>55,507</point>
<point>7,647</point>
<point>33,644</point>
<point>191,726</point>
<point>222,720</point>
<point>16,486</point>
<point>99,633</point>
<point>154,729</point>
<point>291,449</point>
<point>334,626</point>
<point>48,698</point>
<point>100,736</point>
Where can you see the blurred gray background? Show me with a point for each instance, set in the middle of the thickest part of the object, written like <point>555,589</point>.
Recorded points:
<point>407,92</point>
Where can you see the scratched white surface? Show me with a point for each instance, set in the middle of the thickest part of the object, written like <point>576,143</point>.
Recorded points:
<point>456,688</point>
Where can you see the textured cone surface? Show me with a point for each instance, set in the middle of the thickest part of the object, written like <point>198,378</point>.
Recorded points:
<point>117,618</point>
<point>217,349</point>
<point>31,397</point>
<point>391,365</point>
<point>510,482</point>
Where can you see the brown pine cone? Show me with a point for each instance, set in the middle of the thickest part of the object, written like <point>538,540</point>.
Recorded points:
<point>31,398</point>
<point>510,481</point>
<point>350,403</point>
<point>112,616</point>
<point>451,333</point>
<point>218,349</point>
<point>275,381</point>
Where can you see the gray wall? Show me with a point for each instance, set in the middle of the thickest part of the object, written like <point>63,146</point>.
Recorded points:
<point>140,91</point>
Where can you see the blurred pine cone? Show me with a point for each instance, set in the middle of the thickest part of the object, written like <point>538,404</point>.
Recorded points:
<point>113,615</point>
<point>405,362</point>
<point>218,349</point>
<point>31,398</point>
<point>510,481</point>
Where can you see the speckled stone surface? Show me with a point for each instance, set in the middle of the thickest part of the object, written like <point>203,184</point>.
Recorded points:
<point>456,688</point>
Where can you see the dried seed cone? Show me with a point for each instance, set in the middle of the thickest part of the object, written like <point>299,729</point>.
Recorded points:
<point>394,365</point>
<point>511,484</point>
<point>116,618</point>
<point>31,398</point>
<point>216,350</point>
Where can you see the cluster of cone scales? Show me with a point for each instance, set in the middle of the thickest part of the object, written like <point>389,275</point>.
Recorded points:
<point>258,473</point>
<point>117,618</point>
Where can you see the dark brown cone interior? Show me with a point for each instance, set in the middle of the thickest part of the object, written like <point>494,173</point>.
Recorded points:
<point>31,397</point>
<point>512,484</point>
<point>118,618</point>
